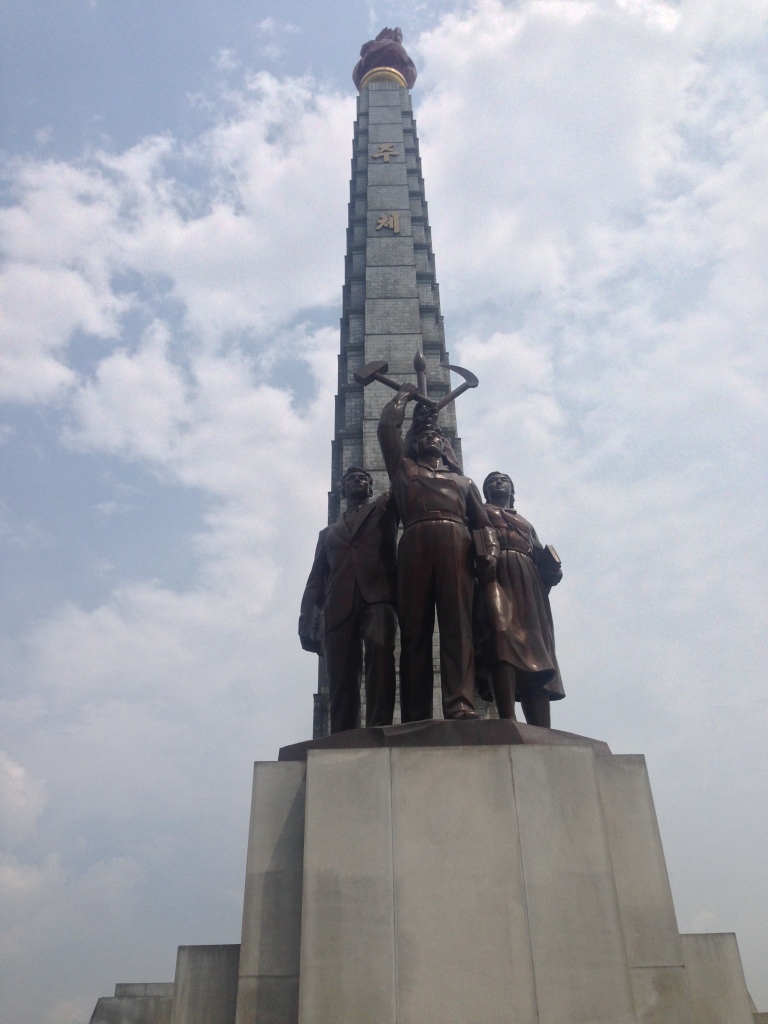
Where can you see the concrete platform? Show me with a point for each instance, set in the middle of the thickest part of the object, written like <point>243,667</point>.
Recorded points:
<point>205,987</point>
<point>440,733</point>
<point>718,989</point>
<point>451,873</point>
<point>448,885</point>
<point>130,1009</point>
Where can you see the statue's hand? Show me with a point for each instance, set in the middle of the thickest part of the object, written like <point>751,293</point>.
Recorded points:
<point>405,394</point>
<point>486,568</point>
<point>551,579</point>
<point>308,644</point>
<point>486,573</point>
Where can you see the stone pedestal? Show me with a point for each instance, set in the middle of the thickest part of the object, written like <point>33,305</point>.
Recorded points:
<point>455,873</point>
<point>136,1005</point>
<point>206,984</point>
<point>517,876</point>
<point>718,990</point>
<point>480,887</point>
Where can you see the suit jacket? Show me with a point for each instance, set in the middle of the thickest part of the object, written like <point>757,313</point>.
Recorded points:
<point>364,554</point>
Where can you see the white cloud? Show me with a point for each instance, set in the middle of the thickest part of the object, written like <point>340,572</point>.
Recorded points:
<point>211,424</point>
<point>226,60</point>
<point>22,800</point>
<point>593,123</point>
<point>154,683</point>
<point>38,900</point>
<point>270,27</point>
<point>70,1011</point>
<point>242,251</point>
<point>26,536</point>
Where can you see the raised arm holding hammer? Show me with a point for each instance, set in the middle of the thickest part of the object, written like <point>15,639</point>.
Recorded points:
<point>439,507</point>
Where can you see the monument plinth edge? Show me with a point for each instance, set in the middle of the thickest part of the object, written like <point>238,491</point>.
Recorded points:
<point>441,733</point>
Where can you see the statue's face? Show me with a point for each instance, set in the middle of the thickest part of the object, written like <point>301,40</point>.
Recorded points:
<point>357,486</point>
<point>430,443</point>
<point>500,490</point>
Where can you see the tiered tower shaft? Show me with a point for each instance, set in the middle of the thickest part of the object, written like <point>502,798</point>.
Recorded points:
<point>391,300</point>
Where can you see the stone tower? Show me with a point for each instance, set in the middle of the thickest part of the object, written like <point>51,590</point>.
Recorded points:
<point>391,300</point>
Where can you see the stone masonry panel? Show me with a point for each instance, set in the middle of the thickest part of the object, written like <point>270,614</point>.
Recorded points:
<point>353,407</point>
<point>398,350</point>
<point>388,197</point>
<point>423,263</point>
<point>392,316</point>
<point>385,115</point>
<point>426,294</point>
<point>388,174</point>
<point>390,282</point>
<point>436,372</point>
<point>354,360</point>
<point>356,328</point>
<point>430,330</point>
<point>382,133</point>
<point>382,97</point>
<point>370,445</point>
<point>390,251</point>
<point>376,398</point>
<point>352,452</point>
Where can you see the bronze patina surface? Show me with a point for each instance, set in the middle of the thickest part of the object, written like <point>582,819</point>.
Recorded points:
<point>386,53</point>
<point>352,588</point>
<point>513,618</point>
<point>439,508</point>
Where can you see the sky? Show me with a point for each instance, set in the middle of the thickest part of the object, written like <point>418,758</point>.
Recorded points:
<point>175,187</point>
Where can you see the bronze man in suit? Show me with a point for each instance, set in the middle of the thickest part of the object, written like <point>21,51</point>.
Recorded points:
<point>438,506</point>
<point>354,581</point>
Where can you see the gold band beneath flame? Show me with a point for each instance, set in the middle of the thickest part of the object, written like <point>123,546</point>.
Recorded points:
<point>382,75</point>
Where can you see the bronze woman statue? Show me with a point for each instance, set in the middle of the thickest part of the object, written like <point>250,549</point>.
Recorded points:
<point>516,640</point>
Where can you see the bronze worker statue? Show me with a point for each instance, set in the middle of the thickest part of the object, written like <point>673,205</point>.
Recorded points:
<point>439,507</point>
<point>352,586</point>
<point>516,639</point>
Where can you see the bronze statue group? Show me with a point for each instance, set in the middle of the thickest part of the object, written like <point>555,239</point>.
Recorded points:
<point>479,566</point>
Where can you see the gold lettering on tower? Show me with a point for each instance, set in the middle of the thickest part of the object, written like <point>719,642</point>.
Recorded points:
<point>389,220</point>
<point>386,150</point>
